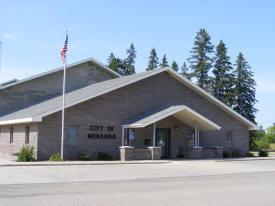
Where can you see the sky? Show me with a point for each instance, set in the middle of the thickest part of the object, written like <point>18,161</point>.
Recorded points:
<point>33,35</point>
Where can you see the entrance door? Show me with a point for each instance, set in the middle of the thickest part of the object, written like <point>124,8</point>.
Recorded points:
<point>164,135</point>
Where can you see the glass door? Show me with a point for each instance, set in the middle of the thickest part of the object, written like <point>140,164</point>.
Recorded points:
<point>163,141</point>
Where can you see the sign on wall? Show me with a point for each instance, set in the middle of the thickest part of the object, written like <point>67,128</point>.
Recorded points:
<point>101,132</point>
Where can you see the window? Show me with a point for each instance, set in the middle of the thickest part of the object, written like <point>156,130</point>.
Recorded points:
<point>27,135</point>
<point>73,134</point>
<point>11,135</point>
<point>229,138</point>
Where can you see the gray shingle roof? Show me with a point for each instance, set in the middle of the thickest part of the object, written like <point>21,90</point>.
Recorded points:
<point>60,69</point>
<point>36,112</point>
<point>77,96</point>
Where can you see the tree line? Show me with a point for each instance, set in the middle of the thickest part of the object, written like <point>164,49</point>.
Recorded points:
<point>210,67</point>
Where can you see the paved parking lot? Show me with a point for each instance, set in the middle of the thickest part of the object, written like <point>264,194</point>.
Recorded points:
<point>206,182</point>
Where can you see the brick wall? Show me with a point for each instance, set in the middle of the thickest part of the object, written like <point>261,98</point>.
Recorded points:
<point>7,149</point>
<point>126,103</point>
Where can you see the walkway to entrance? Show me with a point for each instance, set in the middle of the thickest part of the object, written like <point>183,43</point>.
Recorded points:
<point>162,136</point>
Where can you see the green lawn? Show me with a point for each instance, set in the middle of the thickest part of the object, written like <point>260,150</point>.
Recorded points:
<point>272,146</point>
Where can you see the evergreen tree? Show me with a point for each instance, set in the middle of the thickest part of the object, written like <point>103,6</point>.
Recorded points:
<point>184,71</point>
<point>175,66</point>
<point>164,62</point>
<point>153,60</point>
<point>222,84</point>
<point>200,61</point>
<point>129,62</point>
<point>245,89</point>
<point>116,64</point>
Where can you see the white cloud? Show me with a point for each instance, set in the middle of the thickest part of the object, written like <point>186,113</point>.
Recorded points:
<point>8,36</point>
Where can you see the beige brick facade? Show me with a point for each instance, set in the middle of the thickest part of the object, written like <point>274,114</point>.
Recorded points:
<point>115,108</point>
<point>7,149</point>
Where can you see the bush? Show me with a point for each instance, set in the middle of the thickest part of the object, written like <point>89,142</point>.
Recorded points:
<point>225,154</point>
<point>263,153</point>
<point>236,153</point>
<point>26,154</point>
<point>262,144</point>
<point>83,156</point>
<point>104,156</point>
<point>180,156</point>
<point>249,154</point>
<point>56,157</point>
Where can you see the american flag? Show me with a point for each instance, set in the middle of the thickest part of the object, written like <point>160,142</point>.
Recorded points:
<point>64,50</point>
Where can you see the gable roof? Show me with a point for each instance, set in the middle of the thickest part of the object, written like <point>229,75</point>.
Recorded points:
<point>102,66</point>
<point>36,112</point>
<point>181,112</point>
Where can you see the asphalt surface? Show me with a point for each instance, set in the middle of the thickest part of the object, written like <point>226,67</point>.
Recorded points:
<point>179,183</point>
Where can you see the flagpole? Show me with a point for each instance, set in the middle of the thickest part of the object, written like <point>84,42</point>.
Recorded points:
<point>63,106</point>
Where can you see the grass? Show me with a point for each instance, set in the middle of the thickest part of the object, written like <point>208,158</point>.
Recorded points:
<point>272,146</point>
<point>271,153</point>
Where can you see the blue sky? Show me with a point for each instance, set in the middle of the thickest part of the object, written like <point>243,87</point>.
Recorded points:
<point>34,35</point>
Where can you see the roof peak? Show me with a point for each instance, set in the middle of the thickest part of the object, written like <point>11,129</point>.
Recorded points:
<point>69,66</point>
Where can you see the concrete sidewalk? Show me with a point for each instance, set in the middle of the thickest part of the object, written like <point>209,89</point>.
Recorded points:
<point>8,163</point>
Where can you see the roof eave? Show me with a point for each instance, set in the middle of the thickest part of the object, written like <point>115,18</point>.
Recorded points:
<point>20,121</point>
<point>250,124</point>
<point>61,68</point>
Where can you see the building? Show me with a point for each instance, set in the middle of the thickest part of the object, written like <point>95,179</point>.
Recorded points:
<point>147,115</point>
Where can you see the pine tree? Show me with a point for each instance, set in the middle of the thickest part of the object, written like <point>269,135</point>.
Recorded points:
<point>164,62</point>
<point>245,89</point>
<point>175,66</point>
<point>129,62</point>
<point>116,64</point>
<point>222,84</point>
<point>200,61</point>
<point>153,60</point>
<point>184,71</point>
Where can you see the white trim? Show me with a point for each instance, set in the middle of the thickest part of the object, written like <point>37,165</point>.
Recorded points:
<point>183,107</point>
<point>199,90</point>
<point>60,69</point>
<point>18,121</point>
<point>203,118</point>
<point>174,74</point>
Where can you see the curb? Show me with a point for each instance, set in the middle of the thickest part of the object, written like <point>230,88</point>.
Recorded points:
<point>246,159</point>
<point>82,163</point>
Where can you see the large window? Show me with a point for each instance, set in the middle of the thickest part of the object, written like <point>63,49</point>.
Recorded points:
<point>73,134</point>
<point>27,135</point>
<point>11,135</point>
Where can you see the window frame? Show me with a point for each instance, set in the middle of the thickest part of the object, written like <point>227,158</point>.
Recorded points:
<point>11,135</point>
<point>229,137</point>
<point>27,134</point>
<point>73,141</point>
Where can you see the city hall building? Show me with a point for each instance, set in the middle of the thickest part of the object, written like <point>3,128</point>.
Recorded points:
<point>150,115</point>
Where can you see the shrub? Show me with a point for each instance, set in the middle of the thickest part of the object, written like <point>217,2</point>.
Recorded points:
<point>180,156</point>
<point>56,157</point>
<point>83,156</point>
<point>26,154</point>
<point>225,154</point>
<point>249,154</point>
<point>263,153</point>
<point>104,156</point>
<point>262,144</point>
<point>236,153</point>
